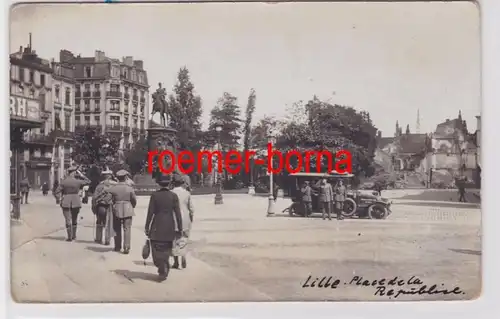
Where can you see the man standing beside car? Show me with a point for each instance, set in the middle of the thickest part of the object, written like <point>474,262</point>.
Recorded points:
<point>339,197</point>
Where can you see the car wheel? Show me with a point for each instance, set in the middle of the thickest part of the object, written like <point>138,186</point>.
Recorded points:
<point>377,211</point>
<point>350,207</point>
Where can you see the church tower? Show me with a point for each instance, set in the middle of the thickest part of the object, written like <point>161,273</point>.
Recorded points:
<point>396,134</point>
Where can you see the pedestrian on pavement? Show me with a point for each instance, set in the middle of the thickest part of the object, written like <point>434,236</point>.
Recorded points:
<point>24,186</point>
<point>124,202</point>
<point>187,214</point>
<point>275,191</point>
<point>461,191</point>
<point>339,198</point>
<point>70,200</point>
<point>164,214</point>
<point>45,188</point>
<point>102,207</point>
<point>307,198</point>
<point>325,199</point>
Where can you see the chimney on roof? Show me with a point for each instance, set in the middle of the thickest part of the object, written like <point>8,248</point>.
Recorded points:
<point>447,120</point>
<point>138,64</point>
<point>100,56</point>
<point>128,60</point>
<point>20,49</point>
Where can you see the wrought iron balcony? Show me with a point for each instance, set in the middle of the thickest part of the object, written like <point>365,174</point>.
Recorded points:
<point>114,94</point>
<point>96,94</point>
<point>61,134</point>
<point>87,94</point>
<point>114,128</point>
<point>82,127</point>
<point>33,138</point>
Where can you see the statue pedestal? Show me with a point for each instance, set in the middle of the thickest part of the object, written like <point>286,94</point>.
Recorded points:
<point>160,138</point>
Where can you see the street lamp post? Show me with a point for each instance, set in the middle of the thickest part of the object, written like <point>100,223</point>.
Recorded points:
<point>270,206</point>
<point>218,192</point>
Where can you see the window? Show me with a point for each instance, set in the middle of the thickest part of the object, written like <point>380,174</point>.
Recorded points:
<point>77,88</point>
<point>57,122</point>
<point>115,121</point>
<point>126,122</point>
<point>97,87</point>
<point>125,73</point>
<point>67,96</point>
<point>57,92</point>
<point>77,121</point>
<point>126,89</point>
<point>20,89</point>
<point>115,88</point>
<point>135,92</point>
<point>87,120</point>
<point>135,123</point>
<point>97,120</point>
<point>67,122</point>
<point>87,105</point>
<point>32,76</point>
<point>32,93</point>
<point>88,72</point>
<point>42,79</point>
<point>87,87</point>
<point>115,106</point>
<point>142,93</point>
<point>97,105</point>
<point>21,74</point>
<point>142,125</point>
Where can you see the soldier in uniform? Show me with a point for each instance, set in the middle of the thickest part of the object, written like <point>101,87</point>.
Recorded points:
<point>339,197</point>
<point>325,199</point>
<point>24,186</point>
<point>70,200</point>
<point>124,201</point>
<point>102,207</point>
<point>164,215</point>
<point>306,191</point>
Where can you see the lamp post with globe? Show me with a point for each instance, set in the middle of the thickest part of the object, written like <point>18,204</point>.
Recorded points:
<point>218,192</point>
<point>270,207</point>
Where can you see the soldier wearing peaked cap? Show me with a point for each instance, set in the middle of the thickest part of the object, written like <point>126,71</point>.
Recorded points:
<point>124,202</point>
<point>102,207</point>
<point>68,191</point>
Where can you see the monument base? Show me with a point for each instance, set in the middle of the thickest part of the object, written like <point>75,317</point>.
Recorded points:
<point>145,185</point>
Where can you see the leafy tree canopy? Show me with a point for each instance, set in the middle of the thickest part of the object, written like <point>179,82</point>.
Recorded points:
<point>226,113</point>
<point>137,157</point>
<point>185,111</point>
<point>92,148</point>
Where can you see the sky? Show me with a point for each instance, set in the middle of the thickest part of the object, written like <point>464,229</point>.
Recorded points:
<point>390,59</point>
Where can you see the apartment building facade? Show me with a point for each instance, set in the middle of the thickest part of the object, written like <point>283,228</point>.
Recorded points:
<point>63,115</point>
<point>30,93</point>
<point>110,95</point>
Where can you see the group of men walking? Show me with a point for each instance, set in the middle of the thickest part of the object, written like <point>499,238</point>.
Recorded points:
<point>328,198</point>
<point>168,222</point>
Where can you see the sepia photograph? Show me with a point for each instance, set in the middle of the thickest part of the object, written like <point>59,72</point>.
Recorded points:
<point>242,152</point>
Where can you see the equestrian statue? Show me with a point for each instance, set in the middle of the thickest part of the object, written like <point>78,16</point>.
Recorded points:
<point>160,104</point>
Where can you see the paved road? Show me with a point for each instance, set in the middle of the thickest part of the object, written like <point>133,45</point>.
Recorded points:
<point>240,255</point>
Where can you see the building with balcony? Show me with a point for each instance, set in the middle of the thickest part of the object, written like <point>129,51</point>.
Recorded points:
<point>110,94</point>
<point>31,117</point>
<point>63,117</point>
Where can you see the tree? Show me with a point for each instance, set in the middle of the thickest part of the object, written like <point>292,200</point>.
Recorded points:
<point>333,128</point>
<point>247,130</point>
<point>227,113</point>
<point>137,157</point>
<point>92,148</point>
<point>185,111</point>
